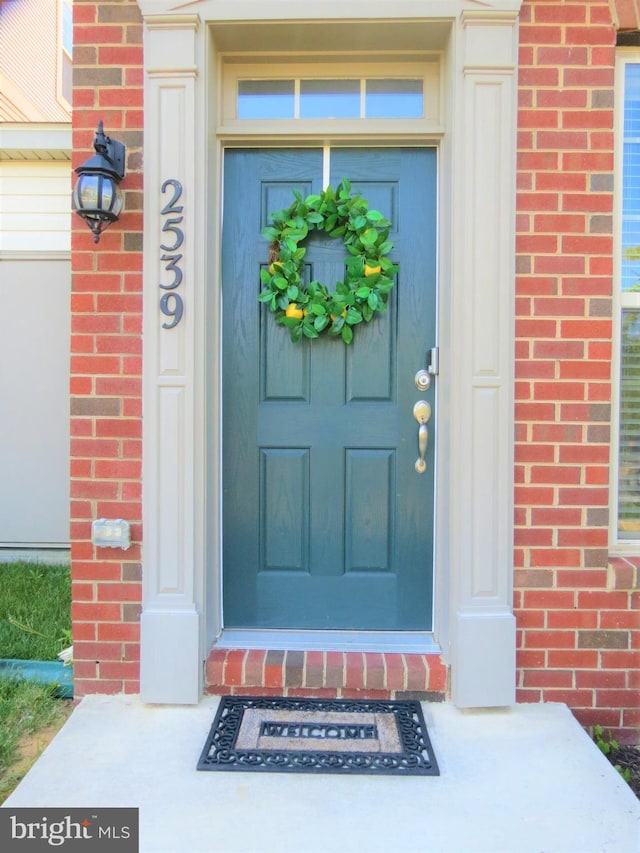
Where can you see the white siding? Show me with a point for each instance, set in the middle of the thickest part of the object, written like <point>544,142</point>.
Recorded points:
<point>34,401</point>
<point>30,55</point>
<point>35,206</point>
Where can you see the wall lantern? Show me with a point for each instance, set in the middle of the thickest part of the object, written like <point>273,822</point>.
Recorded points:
<point>96,195</point>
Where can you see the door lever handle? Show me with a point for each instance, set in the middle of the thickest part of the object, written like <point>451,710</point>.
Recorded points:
<point>422,413</point>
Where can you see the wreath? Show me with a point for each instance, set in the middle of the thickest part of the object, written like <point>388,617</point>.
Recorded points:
<point>311,310</point>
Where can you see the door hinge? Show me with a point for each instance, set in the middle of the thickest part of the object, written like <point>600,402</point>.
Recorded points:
<point>433,361</point>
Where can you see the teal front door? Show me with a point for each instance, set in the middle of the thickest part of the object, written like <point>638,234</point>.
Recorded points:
<point>327,524</point>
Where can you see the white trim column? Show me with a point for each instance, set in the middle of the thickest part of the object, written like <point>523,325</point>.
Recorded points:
<point>171,656</point>
<point>481,534</point>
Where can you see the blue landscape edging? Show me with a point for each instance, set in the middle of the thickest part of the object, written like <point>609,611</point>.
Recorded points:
<point>43,672</point>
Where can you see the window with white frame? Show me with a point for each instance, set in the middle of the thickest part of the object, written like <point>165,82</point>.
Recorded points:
<point>65,51</point>
<point>330,98</point>
<point>627,498</point>
<point>320,92</point>
<point>67,27</point>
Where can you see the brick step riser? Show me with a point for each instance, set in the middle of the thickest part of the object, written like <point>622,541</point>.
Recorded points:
<point>345,675</point>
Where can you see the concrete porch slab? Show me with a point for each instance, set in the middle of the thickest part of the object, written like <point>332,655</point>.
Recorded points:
<point>526,778</point>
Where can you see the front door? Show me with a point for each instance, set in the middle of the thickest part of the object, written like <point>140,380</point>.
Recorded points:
<point>327,524</point>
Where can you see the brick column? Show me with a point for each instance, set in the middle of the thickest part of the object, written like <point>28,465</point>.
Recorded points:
<point>571,645</point>
<point>106,351</point>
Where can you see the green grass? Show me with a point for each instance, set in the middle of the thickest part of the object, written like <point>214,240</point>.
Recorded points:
<point>25,708</point>
<point>35,610</point>
<point>35,624</point>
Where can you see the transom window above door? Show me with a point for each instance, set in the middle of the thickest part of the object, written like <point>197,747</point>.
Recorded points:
<point>345,91</point>
<point>331,98</point>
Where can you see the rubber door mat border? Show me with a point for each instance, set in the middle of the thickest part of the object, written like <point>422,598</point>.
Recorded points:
<point>299,735</point>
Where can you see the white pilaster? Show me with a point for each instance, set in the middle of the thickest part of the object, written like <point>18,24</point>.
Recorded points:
<point>481,540</point>
<point>171,655</point>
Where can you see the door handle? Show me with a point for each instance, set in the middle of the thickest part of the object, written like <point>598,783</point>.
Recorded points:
<point>422,413</point>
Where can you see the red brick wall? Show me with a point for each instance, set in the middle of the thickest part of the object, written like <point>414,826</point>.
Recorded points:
<point>577,611</point>
<point>578,632</point>
<point>625,14</point>
<point>106,357</point>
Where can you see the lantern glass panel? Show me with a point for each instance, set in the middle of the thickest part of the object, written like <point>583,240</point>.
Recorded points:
<point>87,192</point>
<point>117,200</point>
<point>106,194</point>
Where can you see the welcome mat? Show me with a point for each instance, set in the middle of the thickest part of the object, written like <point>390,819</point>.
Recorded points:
<point>256,733</point>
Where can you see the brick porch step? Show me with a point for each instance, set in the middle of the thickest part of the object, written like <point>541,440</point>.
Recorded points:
<point>349,675</point>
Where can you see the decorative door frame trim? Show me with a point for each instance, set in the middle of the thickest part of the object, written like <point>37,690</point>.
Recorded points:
<point>475,622</point>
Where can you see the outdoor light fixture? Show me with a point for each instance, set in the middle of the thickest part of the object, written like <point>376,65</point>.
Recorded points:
<point>96,196</point>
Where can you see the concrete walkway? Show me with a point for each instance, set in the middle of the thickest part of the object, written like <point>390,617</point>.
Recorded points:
<point>515,780</point>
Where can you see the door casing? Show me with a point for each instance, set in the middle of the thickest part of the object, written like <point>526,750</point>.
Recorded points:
<point>474,619</point>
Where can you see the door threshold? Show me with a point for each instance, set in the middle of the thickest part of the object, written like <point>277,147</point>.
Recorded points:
<point>407,642</point>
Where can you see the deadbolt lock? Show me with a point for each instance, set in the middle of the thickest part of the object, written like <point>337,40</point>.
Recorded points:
<point>422,380</point>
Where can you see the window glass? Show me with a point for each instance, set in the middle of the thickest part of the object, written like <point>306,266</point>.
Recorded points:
<point>632,101</point>
<point>266,99</point>
<point>67,27</point>
<point>630,266</point>
<point>394,99</point>
<point>66,79</point>
<point>628,520</point>
<point>329,99</point>
<point>629,455</point>
<point>314,98</point>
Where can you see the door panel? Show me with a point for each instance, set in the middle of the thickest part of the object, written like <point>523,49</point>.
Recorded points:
<point>326,523</point>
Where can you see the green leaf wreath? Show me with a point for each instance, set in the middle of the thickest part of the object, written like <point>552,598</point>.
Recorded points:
<point>312,310</point>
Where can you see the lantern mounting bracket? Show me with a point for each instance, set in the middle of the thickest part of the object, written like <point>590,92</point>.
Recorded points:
<point>111,150</point>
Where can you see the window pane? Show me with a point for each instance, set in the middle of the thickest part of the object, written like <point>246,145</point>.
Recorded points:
<point>329,99</point>
<point>394,99</point>
<point>629,455</point>
<point>630,262</point>
<point>632,100</point>
<point>629,427</point>
<point>266,99</point>
<point>67,29</point>
<point>66,83</point>
<point>630,266</point>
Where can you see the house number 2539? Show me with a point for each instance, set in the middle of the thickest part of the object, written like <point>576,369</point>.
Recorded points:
<point>171,303</point>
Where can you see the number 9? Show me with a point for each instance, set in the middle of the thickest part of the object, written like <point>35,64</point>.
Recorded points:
<point>173,309</point>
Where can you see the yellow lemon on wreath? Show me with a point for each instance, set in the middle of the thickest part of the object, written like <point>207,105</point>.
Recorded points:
<point>294,311</point>
<point>372,270</point>
<point>276,265</point>
<point>344,314</point>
